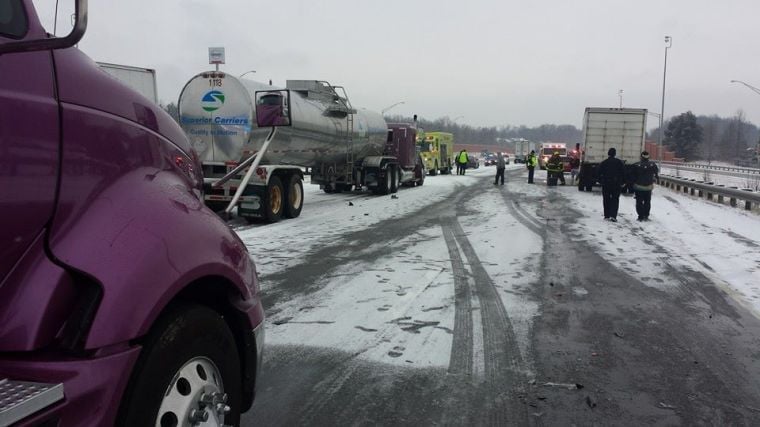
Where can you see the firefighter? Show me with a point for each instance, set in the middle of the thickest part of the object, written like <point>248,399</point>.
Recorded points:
<point>645,173</point>
<point>612,177</point>
<point>462,160</point>
<point>531,163</point>
<point>500,166</point>
<point>555,168</point>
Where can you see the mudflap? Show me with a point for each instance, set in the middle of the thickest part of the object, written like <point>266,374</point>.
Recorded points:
<point>251,204</point>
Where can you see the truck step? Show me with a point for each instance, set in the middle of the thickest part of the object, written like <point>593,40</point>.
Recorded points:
<point>19,399</point>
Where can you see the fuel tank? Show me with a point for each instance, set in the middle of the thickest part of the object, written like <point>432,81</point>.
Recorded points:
<point>217,112</point>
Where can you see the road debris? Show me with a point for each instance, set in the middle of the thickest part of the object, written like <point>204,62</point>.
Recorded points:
<point>666,406</point>
<point>590,402</point>
<point>564,385</point>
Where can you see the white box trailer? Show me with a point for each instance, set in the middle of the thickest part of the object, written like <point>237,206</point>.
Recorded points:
<point>143,80</point>
<point>603,128</point>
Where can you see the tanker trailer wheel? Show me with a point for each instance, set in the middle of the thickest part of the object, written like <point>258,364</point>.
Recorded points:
<point>188,373</point>
<point>294,197</point>
<point>387,184</point>
<point>274,200</point>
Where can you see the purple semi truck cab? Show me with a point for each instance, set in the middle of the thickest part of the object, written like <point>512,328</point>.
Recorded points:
<point>123,300</point>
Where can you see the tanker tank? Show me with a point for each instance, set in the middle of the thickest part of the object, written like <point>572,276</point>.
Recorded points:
<point>217,112</point>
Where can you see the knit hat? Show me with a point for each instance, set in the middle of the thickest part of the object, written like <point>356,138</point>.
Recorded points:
<point>611,152</point>
<point>644,154</point>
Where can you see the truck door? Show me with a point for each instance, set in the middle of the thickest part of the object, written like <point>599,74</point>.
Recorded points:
<point>29,138</point>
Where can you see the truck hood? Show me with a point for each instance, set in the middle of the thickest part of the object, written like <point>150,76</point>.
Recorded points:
<point>86,84</point>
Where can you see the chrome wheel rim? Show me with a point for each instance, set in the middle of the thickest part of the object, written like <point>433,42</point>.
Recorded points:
<point>195,396</point>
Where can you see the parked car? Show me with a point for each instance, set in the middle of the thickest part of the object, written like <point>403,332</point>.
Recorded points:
<point>473,162</point>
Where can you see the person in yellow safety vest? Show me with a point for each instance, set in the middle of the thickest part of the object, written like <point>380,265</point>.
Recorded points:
<point>462,160</point>
<point>555,168</point>
<point>531,165</point>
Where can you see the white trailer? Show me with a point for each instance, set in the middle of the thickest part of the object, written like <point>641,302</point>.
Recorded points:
<point>143,80</point>
<point>603,128</point>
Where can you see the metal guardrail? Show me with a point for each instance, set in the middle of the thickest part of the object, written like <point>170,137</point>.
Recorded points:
<point>711,192</point>
<point>699,166</point>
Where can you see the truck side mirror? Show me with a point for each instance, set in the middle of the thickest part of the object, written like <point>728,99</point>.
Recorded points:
<point>80,26</point>
<point>273,108</point>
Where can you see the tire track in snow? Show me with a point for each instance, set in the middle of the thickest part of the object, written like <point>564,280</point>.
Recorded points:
<point>520,214</point>
<point>461,346</point>
<point>504,367</point>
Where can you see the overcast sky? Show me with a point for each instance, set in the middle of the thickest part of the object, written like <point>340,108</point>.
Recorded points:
<point>492,62</point>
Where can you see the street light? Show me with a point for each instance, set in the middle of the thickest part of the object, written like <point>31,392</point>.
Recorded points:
<point>250,71</point>
<point>620,95</point>
<point>391,106</point>
<point>756,90</point>
<point>668,44</point>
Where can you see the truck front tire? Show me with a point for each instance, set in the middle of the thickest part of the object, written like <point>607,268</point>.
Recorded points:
<point>189,352</point>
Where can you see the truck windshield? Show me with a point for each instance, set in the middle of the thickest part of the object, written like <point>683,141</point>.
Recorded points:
<point>13,21</point>
<point>550,151</point>
<point>270,100</point>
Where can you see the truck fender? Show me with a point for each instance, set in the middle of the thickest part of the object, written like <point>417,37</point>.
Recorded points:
<point>134,223</point>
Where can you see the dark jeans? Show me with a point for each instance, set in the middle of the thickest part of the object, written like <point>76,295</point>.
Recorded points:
<point>559,175</point>
<point>610,200</point>
<point>643,203</point>
<point>530,175</point>
<point>499,173</point>
<point>461,167</point>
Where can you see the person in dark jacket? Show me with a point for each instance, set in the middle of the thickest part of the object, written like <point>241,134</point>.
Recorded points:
<point>500,166</point>
<point>644,174</point>
<point>612,177</point>
<point>555,168</point>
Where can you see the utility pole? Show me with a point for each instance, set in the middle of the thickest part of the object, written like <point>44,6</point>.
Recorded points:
<point>668,44</point>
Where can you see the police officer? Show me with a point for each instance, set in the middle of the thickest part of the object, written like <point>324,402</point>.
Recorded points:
<point>555,168</point>
<point>462,160</point>
<point>531,163</point>
<point>644,174</point>
<point>612,177</point>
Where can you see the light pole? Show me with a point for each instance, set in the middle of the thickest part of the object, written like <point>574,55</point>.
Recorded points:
<point>757,91</point>
<point>668,44</point>
<point>250,71</point>
<point>391,106</point>
<point>620,95</point>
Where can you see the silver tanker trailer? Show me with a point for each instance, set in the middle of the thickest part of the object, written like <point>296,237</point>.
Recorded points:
<point>344,148</point>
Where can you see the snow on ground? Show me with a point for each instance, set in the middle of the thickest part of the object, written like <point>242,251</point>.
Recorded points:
<point>721,242</point>
<point>749,181</point>
<point>326,217</point>
<point>400,309</point>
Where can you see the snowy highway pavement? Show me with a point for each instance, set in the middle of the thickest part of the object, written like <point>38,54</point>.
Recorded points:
<point>459,301</point>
